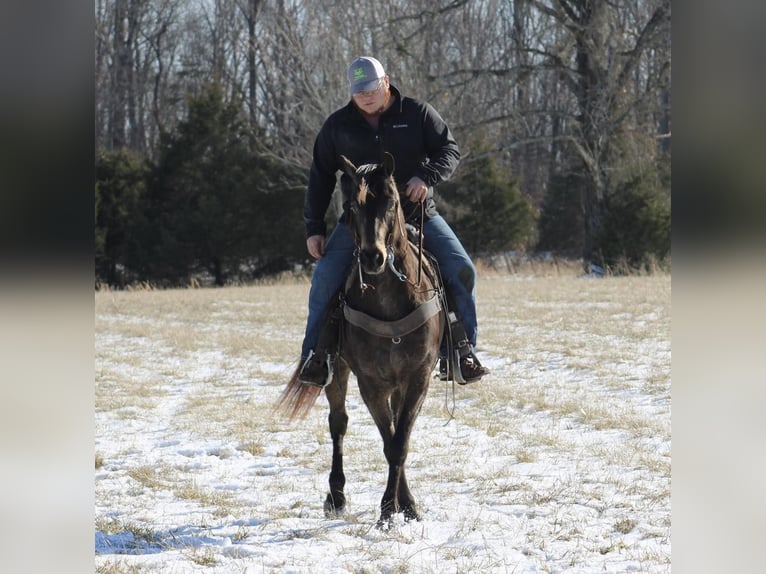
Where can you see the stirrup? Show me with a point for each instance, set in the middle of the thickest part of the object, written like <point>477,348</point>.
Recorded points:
<point>456,372</point>
<point>329,361</point>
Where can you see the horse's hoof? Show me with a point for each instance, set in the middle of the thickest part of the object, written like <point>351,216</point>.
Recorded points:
<point>386,520</point>
<point>385,523</point>
<point>334,507</point>
<point>410,514</point>
<point>330,512</point>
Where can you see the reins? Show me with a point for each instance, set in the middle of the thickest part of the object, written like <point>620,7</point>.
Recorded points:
<point>420,240</point>
<point>390,252</point>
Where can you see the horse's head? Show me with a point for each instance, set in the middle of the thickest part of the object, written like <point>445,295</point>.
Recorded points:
<point>374,213</point>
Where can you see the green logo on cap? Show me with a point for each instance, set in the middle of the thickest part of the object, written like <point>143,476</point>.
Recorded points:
<point>359,73</point>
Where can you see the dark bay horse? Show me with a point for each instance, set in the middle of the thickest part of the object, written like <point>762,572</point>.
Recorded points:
<point>389,339</point>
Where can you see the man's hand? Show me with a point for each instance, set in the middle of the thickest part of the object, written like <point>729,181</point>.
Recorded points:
<point>416,189</point>
<point>315,245</point>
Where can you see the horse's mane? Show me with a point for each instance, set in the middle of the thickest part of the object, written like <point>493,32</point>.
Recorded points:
<point>368,168</point>
<point>364,188</point>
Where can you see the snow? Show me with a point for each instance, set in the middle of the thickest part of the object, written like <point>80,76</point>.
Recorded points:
<point>572,476</point>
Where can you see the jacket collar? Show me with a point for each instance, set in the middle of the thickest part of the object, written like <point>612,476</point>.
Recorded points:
<point>398,95</point>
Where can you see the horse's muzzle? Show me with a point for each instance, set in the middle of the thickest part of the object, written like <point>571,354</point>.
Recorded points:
<point>373,261</point>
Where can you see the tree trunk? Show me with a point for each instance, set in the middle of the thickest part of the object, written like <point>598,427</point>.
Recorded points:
<point>251,18</point>
<point>590,30</point>
<point>119,74</point>
<point>218,273</point>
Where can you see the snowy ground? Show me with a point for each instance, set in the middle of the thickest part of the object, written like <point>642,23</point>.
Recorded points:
<point>558,462</point>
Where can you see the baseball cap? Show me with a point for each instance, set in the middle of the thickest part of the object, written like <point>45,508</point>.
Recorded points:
<point>364,73</point>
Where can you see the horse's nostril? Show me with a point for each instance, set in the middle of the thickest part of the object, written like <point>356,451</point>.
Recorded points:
<point>373,259</point>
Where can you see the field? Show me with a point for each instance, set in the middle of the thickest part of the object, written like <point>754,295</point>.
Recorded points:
<point>559,461</point>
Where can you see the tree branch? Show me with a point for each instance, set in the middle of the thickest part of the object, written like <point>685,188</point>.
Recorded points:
<point>659,18</point>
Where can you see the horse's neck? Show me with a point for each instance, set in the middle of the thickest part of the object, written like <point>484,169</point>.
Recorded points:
<point>386,297</point>
<point>408,261</point>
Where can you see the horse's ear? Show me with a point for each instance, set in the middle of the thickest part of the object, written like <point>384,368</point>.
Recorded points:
<point>388,163</point>
<point>349,168</point>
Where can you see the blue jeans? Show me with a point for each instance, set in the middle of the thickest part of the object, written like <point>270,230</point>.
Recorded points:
<point>330,273</point>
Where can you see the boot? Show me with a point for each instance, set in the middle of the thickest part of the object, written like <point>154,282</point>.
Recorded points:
<point>444,374</point>
<point>471,370</point>
<point>315,371</point>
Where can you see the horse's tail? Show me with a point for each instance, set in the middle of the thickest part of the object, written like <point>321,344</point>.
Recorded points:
<point>297,399</point>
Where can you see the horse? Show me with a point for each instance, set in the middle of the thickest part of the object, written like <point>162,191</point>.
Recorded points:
<point>389,336</point>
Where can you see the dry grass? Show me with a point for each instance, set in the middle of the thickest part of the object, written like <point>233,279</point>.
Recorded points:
<point>617,329</point>
<point>118,567</point>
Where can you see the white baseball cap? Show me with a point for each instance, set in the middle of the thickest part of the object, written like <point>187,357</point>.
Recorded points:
<point>364,74</point>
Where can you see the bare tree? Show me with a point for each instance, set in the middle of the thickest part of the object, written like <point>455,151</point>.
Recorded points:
<point>250,9</point>
<point>535,83</point>
<point>598,73</point>
<point>136,42</point>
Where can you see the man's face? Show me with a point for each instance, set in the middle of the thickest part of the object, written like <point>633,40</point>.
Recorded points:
<point>373,101</point>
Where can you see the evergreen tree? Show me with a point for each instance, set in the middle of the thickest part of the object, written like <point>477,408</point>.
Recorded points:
<point>120,202</point>
<point>637,225</point>
<point>486,209</point>
<point>560,226</point>
<point>219,207</point>
<point>637,230</point>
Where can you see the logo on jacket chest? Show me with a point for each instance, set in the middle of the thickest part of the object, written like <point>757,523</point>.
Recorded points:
<point>399,126</point>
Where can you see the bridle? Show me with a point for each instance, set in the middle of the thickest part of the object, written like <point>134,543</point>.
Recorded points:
<point>390,257</point>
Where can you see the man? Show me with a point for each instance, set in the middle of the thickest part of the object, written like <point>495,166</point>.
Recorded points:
<point>379,119</point>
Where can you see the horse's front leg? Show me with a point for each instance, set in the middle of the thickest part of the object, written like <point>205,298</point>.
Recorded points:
<point>389,504</point>
<point>406,501</point>
<point>335,503</point>
<point>398,497</point>
<point>377,400</point>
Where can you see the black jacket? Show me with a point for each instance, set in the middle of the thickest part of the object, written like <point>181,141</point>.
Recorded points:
<point>411,131</point>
